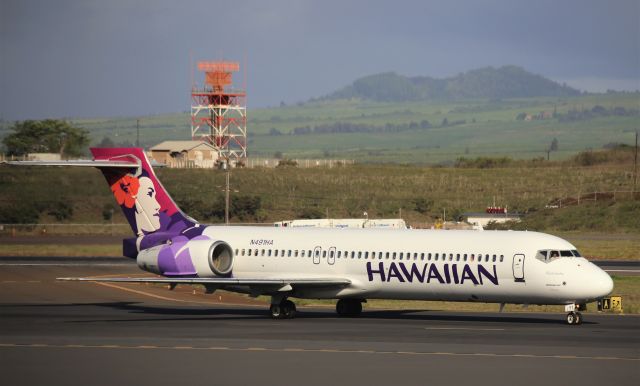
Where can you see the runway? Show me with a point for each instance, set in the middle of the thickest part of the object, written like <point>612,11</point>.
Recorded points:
<point>74,333</point>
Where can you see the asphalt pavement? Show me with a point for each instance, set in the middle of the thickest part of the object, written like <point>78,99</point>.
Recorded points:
<point>70,333</point>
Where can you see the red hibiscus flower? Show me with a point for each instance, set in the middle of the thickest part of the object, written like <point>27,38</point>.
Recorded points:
<point>125,190</point>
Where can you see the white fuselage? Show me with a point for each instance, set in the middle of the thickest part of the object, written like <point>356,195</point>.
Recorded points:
<point>490,266</point>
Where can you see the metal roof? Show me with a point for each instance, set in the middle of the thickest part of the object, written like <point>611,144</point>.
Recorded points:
<point>179,146</point>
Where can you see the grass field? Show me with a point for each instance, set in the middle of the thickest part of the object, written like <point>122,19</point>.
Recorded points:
<point>490,128</point>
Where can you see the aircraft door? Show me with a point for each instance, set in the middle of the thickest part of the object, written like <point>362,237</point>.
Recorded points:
<point>518,267</point>
<point>316,255</point>
<point>331,259</point>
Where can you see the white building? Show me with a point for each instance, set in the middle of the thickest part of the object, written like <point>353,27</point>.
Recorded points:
<point>393,223</point>
<point>480,220</point>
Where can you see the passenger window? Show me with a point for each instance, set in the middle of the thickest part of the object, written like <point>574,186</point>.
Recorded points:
<point>393,256</point>
<point>309,254</point>
<point>429,257</point>
<point>269,253</point>
<point>366,255</point>
<point>295,253</point>
<point>275,253</point>
<point>317,252</point>
<point>450,256</point>
<point>359,255</point>
<point>501,258</point>
<point>324,254</point>
<point>249,252</point>
<point>400,257</point>
<point>262,253</point>
<point>387,256</point>
<point>436,256</point>
<point>458,257</point>
<point>494,258</point>
<point>331,254</point>
<point>256,253</point>
<point>236,252</point>
<point>353,254</point>
<point>464,257</point>
<point>339,254</point>
<point>302,253</point>
<point>473,257</point>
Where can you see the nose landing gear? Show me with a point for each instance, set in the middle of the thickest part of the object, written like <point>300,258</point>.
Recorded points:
<point>574,317</point>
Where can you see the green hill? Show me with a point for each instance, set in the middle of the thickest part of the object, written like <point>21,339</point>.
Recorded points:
<point>488,82</point>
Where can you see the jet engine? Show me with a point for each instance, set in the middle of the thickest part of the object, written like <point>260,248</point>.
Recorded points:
<point>183,257</point>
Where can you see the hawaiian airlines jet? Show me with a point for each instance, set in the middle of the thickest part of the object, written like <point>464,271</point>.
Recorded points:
<point>351,265</point>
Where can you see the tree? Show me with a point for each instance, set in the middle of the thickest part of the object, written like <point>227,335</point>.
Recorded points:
<point>46,136</point>
<point>106,142</point>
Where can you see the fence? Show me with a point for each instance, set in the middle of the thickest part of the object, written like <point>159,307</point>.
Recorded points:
<point>65,229</point>
<point>123,230</point>
<point>594,197</point>
<point>302,163</point>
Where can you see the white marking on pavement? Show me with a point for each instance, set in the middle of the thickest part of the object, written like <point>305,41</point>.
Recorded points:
<point>304,350</point>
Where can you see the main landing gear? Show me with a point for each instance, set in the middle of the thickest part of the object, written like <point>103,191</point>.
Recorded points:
<point>574,317</point>
<point>284,309</point>
<point>349,307</point>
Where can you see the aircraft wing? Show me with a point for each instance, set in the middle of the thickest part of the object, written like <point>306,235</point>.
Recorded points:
<point>277,285</point>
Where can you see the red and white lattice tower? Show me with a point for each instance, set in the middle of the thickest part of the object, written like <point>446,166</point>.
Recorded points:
<point>219,112</point>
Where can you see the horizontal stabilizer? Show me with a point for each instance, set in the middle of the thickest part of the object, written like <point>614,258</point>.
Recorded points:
<point>90,163</point>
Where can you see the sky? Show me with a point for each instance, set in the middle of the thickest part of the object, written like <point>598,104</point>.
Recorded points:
<point>96,58</point>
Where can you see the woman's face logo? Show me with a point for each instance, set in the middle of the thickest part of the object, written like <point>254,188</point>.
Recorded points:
<point>147,207</point>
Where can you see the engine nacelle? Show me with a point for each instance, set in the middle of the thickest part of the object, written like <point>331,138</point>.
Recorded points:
<point>183,257</point>
<point>217,255</point>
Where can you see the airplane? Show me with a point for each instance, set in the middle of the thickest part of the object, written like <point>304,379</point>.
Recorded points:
<point>350,265</point>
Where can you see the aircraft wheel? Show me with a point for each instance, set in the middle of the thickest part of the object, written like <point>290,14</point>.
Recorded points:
<point>342,307</point>
<point>349,307</point>
<point>571,318</point>
<point>288,309</point>
<point>276,311</point>
<point>578,318</point>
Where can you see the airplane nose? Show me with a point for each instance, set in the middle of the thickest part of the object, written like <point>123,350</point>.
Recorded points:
<point>604,284</point>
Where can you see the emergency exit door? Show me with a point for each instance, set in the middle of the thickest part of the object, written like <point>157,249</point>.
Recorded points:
<point>518,267</point>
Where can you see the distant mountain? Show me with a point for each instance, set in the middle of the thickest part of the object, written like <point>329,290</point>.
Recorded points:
<point>488,82</point>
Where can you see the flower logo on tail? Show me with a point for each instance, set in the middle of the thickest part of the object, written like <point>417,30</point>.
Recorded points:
<point>125,190</point>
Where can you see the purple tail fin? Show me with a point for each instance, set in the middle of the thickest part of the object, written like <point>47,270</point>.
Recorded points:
<point>144,201</point>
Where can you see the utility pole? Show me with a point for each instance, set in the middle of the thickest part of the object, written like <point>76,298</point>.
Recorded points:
<point>137,133</point>
<point>635,164</point>
<point>226,192</point>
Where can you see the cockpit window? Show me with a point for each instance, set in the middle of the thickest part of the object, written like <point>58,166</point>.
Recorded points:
<point>550,255</point>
